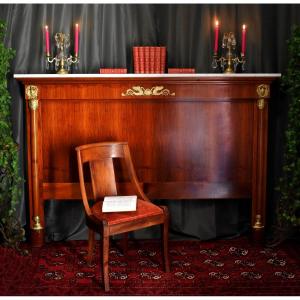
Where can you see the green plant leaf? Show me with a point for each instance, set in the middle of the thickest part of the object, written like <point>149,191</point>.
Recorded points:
<point>10,180</point>
<point>289,183</point>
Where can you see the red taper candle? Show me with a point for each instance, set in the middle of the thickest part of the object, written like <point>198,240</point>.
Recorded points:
<point>47,40</point>
<point>216,36</point>
<point>243,40</point>
<point>76,39</point>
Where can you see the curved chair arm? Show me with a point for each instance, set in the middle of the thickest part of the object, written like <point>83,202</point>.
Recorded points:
<point>82,185</point>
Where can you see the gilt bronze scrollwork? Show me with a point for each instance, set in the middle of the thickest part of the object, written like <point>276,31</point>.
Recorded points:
<point>154,91</point>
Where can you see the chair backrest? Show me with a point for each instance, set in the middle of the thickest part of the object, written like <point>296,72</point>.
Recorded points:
<point>99,157</point>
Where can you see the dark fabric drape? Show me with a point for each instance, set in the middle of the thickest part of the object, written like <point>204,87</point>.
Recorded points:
<point>107,34</point>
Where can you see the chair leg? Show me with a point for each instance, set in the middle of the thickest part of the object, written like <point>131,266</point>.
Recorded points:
<point>91,246</point>
<point>165,240</point>
<point>105,254</point>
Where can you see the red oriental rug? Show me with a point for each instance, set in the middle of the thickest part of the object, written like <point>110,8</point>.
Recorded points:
<point>223,267</point>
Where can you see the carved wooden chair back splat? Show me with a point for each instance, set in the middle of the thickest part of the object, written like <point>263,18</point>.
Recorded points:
<point>100,157</point>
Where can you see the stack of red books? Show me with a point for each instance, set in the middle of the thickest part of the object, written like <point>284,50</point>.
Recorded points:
<point>149,59</point>
<point>180,70</point>
<point>113,71</point>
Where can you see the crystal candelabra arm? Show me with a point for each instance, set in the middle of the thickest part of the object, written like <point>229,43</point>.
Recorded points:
<point>72,60</point>
<point>237,61</point>
<point>215,61</point>
<point>49,60</point>
<point>218,61</point>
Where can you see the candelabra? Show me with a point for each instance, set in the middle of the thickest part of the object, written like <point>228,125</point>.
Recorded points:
<point>230,61</point>
<point>62,61</point>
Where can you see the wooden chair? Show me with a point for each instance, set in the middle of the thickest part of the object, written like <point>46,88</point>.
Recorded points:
<point>100,157</point>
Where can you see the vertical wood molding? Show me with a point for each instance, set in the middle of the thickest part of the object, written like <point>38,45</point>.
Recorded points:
<point>31,93</point>
<point>259,171</point>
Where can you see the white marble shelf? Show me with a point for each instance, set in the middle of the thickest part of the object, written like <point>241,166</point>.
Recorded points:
<point>132,75</point>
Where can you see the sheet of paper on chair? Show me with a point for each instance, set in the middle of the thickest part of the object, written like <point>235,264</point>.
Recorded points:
<point>119,203</point>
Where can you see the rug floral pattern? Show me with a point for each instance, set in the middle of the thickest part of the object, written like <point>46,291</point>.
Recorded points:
<point>223,267</point>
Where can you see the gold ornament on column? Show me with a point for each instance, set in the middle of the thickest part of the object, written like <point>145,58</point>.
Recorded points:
<point>258,223</point>
<point>37,225</point>
<point>263,91</point>
<point>32,92</point>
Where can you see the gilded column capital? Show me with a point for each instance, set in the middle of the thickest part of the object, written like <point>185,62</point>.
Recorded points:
<point>32,92</point>
<point>263,91</point>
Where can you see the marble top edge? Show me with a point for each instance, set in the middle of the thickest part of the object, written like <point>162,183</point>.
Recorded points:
<point>200,75</point>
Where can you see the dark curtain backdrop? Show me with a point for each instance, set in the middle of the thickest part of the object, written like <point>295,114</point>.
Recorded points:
<point>107,34</point>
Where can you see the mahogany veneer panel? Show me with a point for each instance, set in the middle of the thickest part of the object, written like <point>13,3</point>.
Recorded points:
<point>162,135</point>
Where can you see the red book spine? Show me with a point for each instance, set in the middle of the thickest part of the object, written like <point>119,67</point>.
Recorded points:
<point>163,51</point>
<point>136,61</point>
<point>113,71</point>
<point>180,70</point>
<point>152,59</point>
<point>142,60</point>
<point>157,60</point>
<point>147,59</point>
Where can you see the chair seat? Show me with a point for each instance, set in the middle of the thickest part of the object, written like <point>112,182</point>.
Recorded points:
<point>144,209</point>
